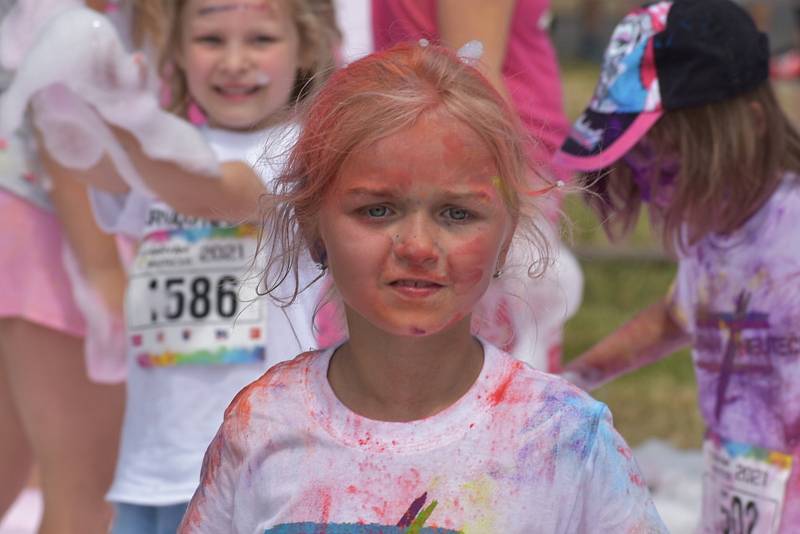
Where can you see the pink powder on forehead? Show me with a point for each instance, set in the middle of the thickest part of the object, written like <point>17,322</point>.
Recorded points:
<point>264,7</point>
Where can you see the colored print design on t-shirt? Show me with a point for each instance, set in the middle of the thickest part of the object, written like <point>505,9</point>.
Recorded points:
<point>413,521</point>
<point>521,452</point>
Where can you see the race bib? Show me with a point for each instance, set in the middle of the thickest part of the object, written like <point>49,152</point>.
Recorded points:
<point>187,303</point>
<point>744,488</point>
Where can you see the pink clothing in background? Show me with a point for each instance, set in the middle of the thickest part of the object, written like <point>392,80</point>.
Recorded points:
<point>34,285</point>
<point>530,69</point>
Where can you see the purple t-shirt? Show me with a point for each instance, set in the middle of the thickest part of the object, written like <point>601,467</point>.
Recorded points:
<point>739,298</point>
<point>530,67</point>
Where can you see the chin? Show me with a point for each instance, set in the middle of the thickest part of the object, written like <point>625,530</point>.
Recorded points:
<point>419,327</point>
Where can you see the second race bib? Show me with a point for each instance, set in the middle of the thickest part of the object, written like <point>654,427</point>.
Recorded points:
<point>186,303</point>
<point>744,488</point>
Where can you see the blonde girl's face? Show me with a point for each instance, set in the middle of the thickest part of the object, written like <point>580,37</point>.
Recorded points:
<point>415,227</point>
<point>240,58</point>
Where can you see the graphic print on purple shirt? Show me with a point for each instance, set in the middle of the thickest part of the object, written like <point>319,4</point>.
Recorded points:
<point>736,323</point>
<point>412,522</point>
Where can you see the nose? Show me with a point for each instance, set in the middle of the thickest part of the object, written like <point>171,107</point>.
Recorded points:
<point>235,58</point>
<point>415,243</point>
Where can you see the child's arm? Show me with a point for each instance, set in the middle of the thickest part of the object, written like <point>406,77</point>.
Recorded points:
<point>648,337</point>
<point>95,251</point>
<point>463,20</point>
<point>234,196</point>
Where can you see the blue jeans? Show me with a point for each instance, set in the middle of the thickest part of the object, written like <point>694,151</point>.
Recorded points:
<point>145,519</point>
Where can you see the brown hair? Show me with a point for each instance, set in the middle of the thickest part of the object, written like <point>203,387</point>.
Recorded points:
<point>318,34</point>
<point>371,99</point>
<point>732,156</point>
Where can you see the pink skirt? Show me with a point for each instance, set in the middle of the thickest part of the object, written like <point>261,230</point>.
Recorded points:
<point>33,283</point>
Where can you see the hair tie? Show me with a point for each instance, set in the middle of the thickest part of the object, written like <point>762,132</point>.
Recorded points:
<point>471,52</point>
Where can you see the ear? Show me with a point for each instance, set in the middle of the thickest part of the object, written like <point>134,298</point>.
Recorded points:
<point>759,118</point>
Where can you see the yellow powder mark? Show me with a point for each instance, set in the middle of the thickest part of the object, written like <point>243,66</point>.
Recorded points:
<point>500,185</point>
<point>480,495</point>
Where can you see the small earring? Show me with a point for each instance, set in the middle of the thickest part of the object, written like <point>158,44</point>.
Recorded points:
<point>322,262</point>
<point>497,274</point>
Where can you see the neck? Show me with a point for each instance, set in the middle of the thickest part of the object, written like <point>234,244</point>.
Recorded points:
<point>403,378</point>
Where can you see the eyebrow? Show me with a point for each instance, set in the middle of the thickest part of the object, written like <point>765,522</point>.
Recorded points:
<point>383,192</point>
<point>209,10</point>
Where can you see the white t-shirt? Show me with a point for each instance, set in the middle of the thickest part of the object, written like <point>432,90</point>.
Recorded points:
<point>192,342</point>
<point>520,452</point>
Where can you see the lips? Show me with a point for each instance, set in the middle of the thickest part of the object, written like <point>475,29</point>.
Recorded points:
<point>416,288</point>
<point>237,91</point>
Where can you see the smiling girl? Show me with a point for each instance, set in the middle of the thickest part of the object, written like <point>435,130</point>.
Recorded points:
<point>194,335</point>
<point>407,184</point>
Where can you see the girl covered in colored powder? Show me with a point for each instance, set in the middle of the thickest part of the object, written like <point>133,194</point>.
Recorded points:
<point>195,336</point>
<point>684,120</point>
<point>407,183</point>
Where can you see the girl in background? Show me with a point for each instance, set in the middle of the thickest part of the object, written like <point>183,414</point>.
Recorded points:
<point>195,336</point>
<point>686,122</point>
<point>408,184</point>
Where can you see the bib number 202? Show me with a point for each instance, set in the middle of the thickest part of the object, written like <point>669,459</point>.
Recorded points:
<point>740,518</point>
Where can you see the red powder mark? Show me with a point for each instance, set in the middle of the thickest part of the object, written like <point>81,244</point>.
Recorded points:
<point>30,177</point>
<point>326,505</point>
<point>472,425</point>
<point>366,440</point>
<point>637,480</point>
<point>352,489</point>
<point>3,144</point>
<point>417,331</point>
<point>499,394</point>
<point>624,451</point>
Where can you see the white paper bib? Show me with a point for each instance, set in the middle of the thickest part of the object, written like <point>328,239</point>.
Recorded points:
<point>744,488</point>
<point>187,303</point>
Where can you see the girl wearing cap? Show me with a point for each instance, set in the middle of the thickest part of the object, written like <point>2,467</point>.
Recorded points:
<point>685,121</point>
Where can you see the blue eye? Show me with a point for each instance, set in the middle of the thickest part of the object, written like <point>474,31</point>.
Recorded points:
<point>377,211</point>
<point>457,214</point>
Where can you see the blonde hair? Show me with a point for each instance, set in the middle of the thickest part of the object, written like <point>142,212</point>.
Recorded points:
<point>732,156</point>
<point>319,38</point>
<point>369,100</point>
<point>149,23</point>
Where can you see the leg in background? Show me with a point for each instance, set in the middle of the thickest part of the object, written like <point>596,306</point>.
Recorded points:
<point>71,423</point>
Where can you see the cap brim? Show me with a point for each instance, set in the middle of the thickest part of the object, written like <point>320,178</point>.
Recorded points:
<point>597,140</point>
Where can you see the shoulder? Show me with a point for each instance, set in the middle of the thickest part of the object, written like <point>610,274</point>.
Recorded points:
<point>281,384</point>
<point>546,399</point>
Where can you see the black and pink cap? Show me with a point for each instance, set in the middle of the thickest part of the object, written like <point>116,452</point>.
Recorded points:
<point>663,56</point>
